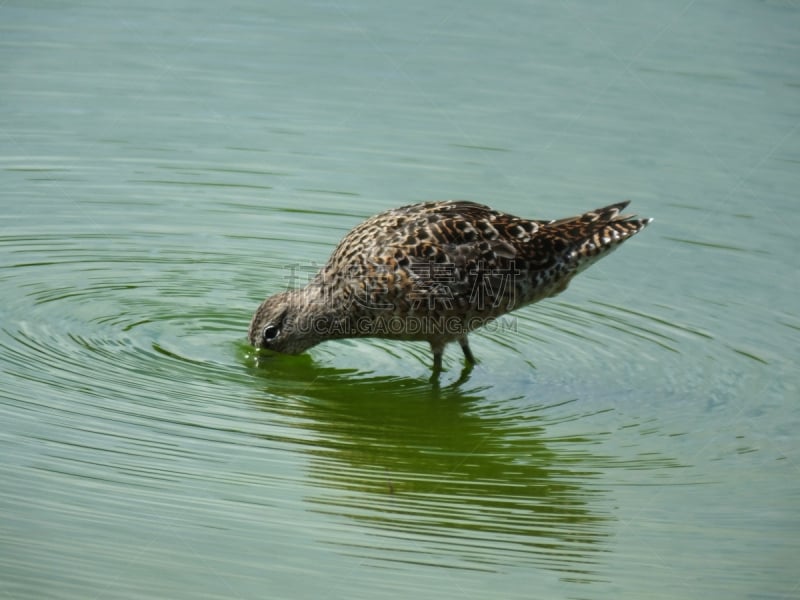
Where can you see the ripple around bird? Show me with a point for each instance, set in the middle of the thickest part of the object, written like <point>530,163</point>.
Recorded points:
<point>117,349</point>
<point>164,170</point>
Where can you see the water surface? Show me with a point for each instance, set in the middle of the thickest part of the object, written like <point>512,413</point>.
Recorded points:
<point>163,169</point>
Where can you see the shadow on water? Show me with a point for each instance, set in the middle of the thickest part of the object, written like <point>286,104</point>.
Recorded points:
<point>437,476</point>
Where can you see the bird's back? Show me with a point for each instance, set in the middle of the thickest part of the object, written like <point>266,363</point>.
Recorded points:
<point>464,259</point>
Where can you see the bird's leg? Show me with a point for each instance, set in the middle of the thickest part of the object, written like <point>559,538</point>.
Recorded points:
<point>468,356</point>
<point>438,349</point>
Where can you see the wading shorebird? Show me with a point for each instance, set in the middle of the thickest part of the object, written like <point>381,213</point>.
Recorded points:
<point>436,271</point>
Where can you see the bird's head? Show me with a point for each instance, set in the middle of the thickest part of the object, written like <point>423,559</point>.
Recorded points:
<point>282,323</point>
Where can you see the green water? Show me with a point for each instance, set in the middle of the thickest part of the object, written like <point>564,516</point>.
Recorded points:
<point>164,168</point>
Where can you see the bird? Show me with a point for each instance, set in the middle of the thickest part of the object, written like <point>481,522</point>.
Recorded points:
<point>434,272</point>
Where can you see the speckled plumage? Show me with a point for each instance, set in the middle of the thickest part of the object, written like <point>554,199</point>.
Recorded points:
<point>436,271</point>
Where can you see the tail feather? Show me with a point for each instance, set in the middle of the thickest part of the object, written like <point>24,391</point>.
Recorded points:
<point>602,215</point>
<point>594,234</point>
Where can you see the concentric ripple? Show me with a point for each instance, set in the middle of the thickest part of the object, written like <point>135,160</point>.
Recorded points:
<point>130,346</point>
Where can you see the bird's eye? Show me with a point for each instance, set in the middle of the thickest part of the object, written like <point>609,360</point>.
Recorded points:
<point>269,332</point>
